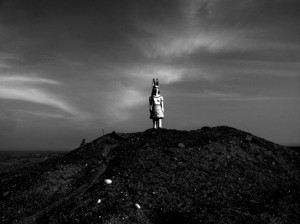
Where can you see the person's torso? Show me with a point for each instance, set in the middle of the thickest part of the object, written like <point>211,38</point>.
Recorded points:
<point>156,100</point>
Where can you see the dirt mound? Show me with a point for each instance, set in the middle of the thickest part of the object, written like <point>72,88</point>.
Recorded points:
<point>210,175</point>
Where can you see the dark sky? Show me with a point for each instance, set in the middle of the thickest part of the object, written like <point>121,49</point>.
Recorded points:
<point>70,69</point>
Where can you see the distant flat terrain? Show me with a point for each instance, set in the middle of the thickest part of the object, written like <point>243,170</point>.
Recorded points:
<point>11,160</point>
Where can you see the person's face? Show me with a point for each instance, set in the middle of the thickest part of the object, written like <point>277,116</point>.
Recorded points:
<point>155,90</point>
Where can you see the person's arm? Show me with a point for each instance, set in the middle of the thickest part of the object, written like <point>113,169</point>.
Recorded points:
<point>150,104</point>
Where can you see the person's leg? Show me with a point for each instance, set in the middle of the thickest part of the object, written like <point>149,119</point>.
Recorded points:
<point>154,124</point>
<point>160,123</point>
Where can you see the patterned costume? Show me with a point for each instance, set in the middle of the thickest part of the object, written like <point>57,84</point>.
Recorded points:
<point>156,109</point>
<point>156,105</point>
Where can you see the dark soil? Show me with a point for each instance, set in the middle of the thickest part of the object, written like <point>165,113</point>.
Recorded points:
<point>210,175</point>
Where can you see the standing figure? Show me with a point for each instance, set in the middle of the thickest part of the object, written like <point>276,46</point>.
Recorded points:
<point>156,106</point>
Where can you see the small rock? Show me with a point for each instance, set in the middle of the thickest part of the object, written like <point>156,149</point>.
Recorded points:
<point>248,138</point>
<point>108,181</point>
<point>137,206</point>
<point>146,145</point>
<point>181,145</point>
<point>5,193</point>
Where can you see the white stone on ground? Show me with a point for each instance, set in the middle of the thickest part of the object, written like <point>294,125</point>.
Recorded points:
<point>108,181</point>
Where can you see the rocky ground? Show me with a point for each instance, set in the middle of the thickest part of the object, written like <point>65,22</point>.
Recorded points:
<point>210,175</point>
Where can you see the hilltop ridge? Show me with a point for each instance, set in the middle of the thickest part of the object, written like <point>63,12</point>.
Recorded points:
<point>209,175</point>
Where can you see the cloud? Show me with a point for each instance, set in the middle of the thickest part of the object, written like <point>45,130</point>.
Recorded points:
<point>23,88</point>
<point>120,102</point>
<point>168,74</point>
<point>17,79</point>
<point>267,98</point>
<point>178,46</point>
<point>182,42</point>
<point>165,73</point>
<point>214,94</point>
<point>233,41</point>
<point>35,95</point>
<point>250,28</point>
<point>45,114</point>
<point>211,94</point>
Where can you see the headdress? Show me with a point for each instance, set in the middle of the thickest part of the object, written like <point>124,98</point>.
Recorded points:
<point>155,83</point>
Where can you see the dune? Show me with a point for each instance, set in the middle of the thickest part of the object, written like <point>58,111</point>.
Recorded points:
<point>209,175</point>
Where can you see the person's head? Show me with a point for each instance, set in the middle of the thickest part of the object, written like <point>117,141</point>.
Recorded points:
<point>155,90</point>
